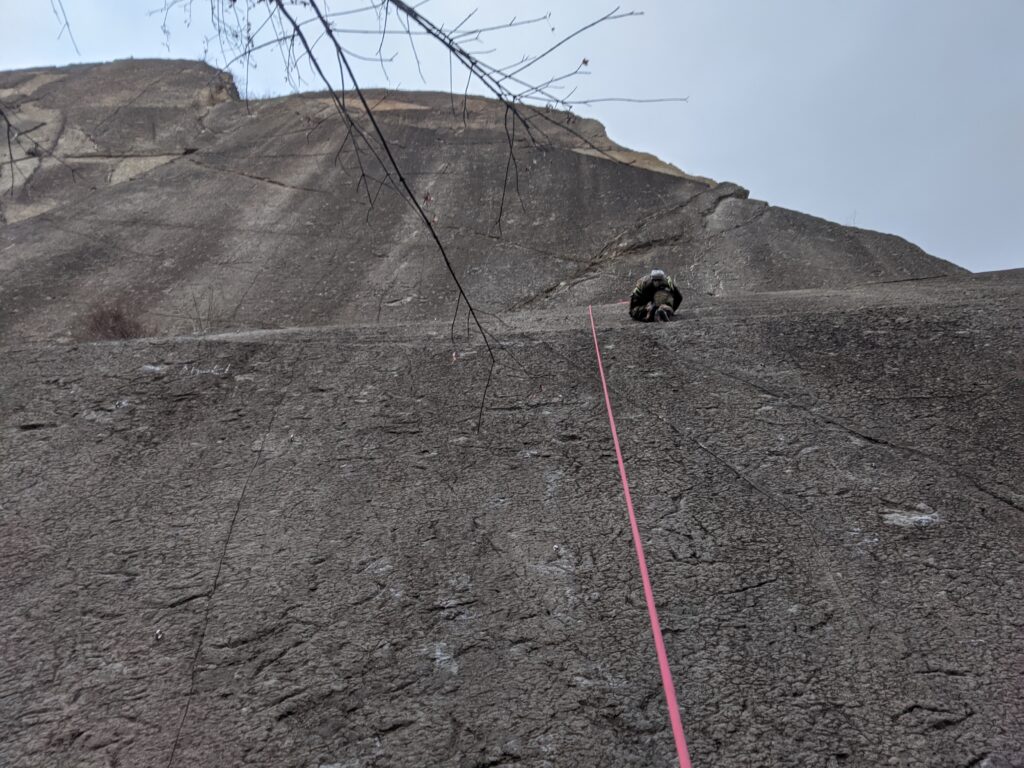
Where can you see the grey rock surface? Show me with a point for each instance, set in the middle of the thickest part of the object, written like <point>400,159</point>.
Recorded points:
<point>210,213</point>
<point>311,546</point>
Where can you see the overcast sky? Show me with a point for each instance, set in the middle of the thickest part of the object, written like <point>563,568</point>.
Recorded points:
<point>904,116</point>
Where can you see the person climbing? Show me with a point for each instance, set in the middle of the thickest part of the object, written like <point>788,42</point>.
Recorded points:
<point>655,297</point>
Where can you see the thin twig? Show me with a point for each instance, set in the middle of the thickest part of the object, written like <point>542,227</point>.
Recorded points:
<point>62,18</point>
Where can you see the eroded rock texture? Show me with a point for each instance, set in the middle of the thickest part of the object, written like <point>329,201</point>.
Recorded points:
<point>271,545</point>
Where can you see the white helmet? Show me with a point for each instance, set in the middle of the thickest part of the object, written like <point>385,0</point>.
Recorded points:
<point>656,273</point>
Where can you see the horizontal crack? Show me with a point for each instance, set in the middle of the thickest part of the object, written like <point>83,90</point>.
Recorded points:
<point>749,587</point>
<point>254,177</point>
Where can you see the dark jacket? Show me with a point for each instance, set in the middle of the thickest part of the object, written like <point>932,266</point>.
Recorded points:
<point>653,291</point>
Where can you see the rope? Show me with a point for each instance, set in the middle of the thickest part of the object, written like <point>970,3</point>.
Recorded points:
<point>652,611</point>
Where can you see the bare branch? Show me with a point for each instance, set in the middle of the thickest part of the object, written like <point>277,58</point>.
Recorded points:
<point>15,137</point>
<point>612,15</point>
<point>628,100</point>
<point>393,163</point>
<point>8,129</point>
<point>295,29</point>
<point>57,6</point>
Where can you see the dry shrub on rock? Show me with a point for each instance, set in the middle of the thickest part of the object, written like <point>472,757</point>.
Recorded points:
<point>111,321</point>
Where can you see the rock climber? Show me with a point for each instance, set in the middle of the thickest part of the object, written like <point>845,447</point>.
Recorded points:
<point>655,297</point>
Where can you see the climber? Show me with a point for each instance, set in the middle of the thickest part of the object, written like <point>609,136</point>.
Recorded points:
<point>655,297</point>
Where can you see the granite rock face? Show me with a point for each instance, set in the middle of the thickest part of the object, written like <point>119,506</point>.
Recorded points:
<point>290,529</point>
<point>155,185</point>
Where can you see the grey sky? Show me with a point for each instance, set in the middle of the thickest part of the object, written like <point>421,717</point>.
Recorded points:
<point>905,116</point>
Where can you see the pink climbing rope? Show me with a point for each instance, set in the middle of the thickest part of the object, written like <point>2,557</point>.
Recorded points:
<point>659,642</point>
